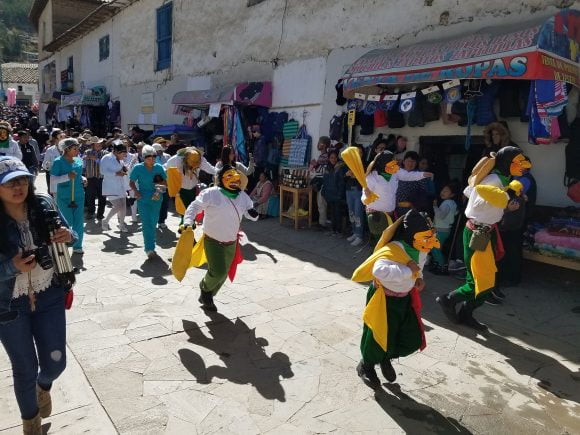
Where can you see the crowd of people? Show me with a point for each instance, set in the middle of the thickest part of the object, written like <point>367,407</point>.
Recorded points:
<point>410,217</point>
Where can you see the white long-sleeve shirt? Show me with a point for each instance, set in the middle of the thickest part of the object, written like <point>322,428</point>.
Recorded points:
<point>387,190</point>
<point>189,181</point>
<point>478,208</point>
<point>49,157</point>
<point>397,277</point>
<point>12,150</point>
<point>222,215</point>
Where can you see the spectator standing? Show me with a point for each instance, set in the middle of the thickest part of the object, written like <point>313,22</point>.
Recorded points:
<point>333,190</point>
<point>356,210</point>
<point>116,185</point>
<point>445,210</point>
<point>8,146</point>
<point>92,162</point>
<point>28,153</point>
<point>317,169</point>
<point>51,154</point>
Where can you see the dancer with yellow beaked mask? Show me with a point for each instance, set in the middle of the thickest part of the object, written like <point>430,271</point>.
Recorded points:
<point>392,320</point>
<point>183,176</point>
<point>224,206</point>
<point>489,193</point>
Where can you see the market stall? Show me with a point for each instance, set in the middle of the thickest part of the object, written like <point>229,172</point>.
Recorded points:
<point>86,109</point>
<point>444,93</point>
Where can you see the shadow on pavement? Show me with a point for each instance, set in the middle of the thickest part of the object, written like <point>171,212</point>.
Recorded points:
<point>242,353</point>
<point>166,238</point>
<point>251,252</point>
<point>154,268</point>
<point>119,245</point>
<point>414,417</point>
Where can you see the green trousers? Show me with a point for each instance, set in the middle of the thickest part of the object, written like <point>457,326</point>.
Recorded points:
<point>219,260</point>
<point>403,336</point>
<point>378,223</point>
<point>467,290</point>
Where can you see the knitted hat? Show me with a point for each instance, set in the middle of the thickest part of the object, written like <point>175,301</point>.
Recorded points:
<point>147,151</point>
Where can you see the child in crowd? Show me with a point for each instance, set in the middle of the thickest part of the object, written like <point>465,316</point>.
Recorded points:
<point>445,210</point>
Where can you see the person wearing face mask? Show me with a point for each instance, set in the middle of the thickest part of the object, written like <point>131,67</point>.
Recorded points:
<point>392,320</point>
<point>67,183</point>
<point>490,193</point>
<point>183,176</point>
<point>115,185</point>
<point>383,176</point>
<point>224,206</point>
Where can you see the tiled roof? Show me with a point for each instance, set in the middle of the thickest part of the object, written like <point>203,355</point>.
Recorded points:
<point>20,73</point>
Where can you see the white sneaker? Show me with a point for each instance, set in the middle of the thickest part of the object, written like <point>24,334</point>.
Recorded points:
<point>351,238</point>
<point>357,241</point>
<point>162,226</point>
<point>105,226</point>
<point>151,254</point>
<point>123,228</point>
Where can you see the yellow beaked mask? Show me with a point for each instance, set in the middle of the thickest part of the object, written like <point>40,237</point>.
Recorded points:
<point>424,241</point>
<point>519,165</point>
<point>193,160</point>
<point>231,180</point>
<point>392,167</point>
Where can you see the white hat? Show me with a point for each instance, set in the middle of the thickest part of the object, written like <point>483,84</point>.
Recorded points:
<point>148,150</point>
<point>67,143</point>
<point>158,147</point>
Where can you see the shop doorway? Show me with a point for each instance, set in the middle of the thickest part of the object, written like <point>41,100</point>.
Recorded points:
<point>449,160</point>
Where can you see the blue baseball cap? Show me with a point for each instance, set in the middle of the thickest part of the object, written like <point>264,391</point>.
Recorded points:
<point>10,168</point>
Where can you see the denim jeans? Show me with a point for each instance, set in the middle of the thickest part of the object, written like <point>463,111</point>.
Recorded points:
<point>36,345</point>
<point>356,211</point>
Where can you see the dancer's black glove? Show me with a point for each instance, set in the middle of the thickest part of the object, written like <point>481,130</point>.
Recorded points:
<point>183,227</point>
<point>253,213</point>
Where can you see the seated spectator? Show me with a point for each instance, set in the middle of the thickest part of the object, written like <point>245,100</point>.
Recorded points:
<point>261,195</point>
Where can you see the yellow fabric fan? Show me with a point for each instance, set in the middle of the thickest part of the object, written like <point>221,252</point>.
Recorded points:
<point>494,195</point>
<point>174,179</point>
<point>182,255</point>
<point>351,157</point>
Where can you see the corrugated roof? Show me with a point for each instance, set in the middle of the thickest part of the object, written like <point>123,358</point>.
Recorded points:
<point>20,72</point>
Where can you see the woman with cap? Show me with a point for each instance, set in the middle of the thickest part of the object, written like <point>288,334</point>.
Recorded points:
<point>32,302</point>
<point>147,180</point>
<point>67,182</point>
<point>115,185</point>
<point>8,146</point>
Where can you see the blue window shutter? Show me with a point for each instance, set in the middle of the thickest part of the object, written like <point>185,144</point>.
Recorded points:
<point>164,36</point>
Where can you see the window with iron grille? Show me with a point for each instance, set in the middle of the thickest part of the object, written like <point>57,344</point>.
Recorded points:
<point>164,36</point>
<point>104,48</point>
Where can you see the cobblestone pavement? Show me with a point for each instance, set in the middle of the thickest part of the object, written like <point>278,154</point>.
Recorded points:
<point>280,355</point>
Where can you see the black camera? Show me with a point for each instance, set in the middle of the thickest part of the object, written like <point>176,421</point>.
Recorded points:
<point>41,255</point>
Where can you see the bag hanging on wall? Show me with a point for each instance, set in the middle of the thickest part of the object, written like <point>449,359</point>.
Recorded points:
<point>299,148</point>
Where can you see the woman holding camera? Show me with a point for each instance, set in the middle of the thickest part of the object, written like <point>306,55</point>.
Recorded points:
<point>148,184</point>
<point>115,185</point>
<point>66,180</point>
<point>32,302</point>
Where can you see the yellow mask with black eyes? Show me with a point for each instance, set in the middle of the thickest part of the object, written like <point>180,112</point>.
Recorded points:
<point>424,241</point>
<point>518,165</point>
<point>193,160</point>
<point>231,180</point>
<point>392,167</point>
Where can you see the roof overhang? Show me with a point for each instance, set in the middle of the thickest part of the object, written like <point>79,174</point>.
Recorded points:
<point>101,14</point>
<point>252,93</point>
<point>540,49</point>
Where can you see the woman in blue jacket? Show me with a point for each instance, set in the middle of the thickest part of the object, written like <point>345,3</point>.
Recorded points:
<point>334,190</point>
<point>32,311</point>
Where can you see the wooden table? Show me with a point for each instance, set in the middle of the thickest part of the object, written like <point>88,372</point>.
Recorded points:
<point>296,192</point>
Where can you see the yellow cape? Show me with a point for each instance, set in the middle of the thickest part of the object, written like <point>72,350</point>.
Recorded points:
<point>375,313</point>
<point>187,254</point>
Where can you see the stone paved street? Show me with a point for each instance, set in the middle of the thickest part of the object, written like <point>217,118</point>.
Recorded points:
<point>280,355</point>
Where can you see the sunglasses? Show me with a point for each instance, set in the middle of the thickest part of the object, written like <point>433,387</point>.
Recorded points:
<point>17,182</point>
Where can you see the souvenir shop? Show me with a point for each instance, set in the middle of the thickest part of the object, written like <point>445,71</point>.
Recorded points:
<point>88,109</point>
<point>441,96</point>
<point>239,116</point>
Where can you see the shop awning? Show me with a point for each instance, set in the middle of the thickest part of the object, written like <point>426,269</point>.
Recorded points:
<point>252,93</point>
<point>540,49</point>
<point>71,100</point>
